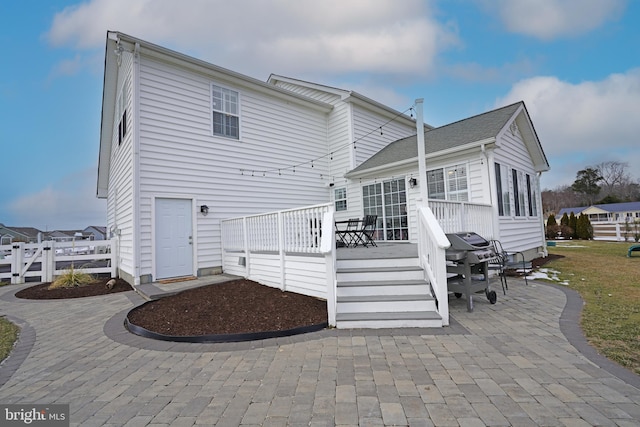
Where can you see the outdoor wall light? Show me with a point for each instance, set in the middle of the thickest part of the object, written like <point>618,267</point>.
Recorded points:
<point>413,182</point>
<point>204,210</point>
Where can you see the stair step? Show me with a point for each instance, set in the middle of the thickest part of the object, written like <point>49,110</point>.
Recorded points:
<point>384,298</point>
<point>379,269</point>
<point>382,283</point>
<point>404,315</point>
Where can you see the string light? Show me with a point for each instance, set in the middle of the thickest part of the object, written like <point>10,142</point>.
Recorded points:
<point>330,155</point>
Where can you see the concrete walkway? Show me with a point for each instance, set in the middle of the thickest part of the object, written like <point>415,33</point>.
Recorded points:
<point>520,362</point>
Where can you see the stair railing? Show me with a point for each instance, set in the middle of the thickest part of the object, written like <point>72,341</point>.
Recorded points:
<point>432,244</point>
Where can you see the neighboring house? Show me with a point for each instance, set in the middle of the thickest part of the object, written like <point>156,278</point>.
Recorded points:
<point>186,144</point>
<point>612,212</point>
<point>21,234</point>
<point>96,232</point>
<point>67,235</point>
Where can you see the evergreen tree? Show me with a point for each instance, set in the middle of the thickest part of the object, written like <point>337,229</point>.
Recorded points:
<point>565,219</point>
<point>552,228</point>
<point>573,223</point>
<point>584,229</point>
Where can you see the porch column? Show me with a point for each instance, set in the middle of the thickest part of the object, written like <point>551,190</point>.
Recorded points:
<point>422,158</point>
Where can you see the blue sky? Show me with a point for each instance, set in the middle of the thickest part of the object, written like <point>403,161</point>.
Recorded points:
<point>575,63</point>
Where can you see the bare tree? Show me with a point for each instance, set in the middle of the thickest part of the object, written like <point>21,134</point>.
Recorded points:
<point>614,177</point>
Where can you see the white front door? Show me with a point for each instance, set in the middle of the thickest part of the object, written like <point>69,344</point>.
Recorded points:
<point>174,239</point>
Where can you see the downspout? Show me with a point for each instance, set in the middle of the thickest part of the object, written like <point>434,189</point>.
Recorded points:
<point>545,252</point>
<point>492,187</point>
<point>136,165</point>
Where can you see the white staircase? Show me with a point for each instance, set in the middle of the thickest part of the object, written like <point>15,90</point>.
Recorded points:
<point>383,293</point>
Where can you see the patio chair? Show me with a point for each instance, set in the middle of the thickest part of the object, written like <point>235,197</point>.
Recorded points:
<point>346,237</point>
<point>510,261</point>
<point>499,264</point>
<point>364,235</point>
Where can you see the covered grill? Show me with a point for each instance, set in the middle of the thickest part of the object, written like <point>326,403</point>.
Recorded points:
<point>469,256</point>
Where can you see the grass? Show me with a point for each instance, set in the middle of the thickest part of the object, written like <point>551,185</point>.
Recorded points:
<point>71,277</point>
<point>609,284</point>
<point>8,336</point>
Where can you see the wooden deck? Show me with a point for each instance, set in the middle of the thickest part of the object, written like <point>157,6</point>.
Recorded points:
<point>382,251</point>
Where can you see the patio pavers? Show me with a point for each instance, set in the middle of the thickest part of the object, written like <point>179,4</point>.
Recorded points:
<point>522,361</point>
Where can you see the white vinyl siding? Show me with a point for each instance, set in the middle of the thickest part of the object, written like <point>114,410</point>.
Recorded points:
<point>372,132</point>
<point>524,231</point>
<point>179,157</point>
<point>120,193</point>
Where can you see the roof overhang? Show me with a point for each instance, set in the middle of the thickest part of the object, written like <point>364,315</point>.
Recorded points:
<point>530,138</point>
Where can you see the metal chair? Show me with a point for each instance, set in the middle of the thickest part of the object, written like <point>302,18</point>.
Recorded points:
<point>364,235</point>
<point>346,237</point>
<point>499,264</point>
<point>510,262</point>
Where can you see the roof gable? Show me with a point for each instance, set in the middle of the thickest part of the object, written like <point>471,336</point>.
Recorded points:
<point>117,42</point>
<point>482,128</point>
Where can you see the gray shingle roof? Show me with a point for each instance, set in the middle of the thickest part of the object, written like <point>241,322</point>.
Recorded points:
<point>472,129</point>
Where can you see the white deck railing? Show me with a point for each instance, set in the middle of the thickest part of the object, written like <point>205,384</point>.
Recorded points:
<point>292,250</point>
<point>456,217</point>
<point>49,259</point>
<point>432,244</point>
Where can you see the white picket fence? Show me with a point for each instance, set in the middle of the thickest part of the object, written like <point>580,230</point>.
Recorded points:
<point>49,259</point>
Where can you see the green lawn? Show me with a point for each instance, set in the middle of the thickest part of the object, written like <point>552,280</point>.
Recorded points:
<point>8,336</point>
<point>609,283</point>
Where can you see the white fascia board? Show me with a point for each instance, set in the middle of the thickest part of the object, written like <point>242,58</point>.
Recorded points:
<point>106,121</point>
<point>215,72</point>
<point>273,78</point>
<point>406,162</point>
<point>361,100</point>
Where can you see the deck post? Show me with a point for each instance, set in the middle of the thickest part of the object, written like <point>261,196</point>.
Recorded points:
<point>422,158</point>
<point>281,252</point>
<point>17,261</point>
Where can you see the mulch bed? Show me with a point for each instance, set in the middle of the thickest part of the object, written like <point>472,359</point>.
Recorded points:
<point>236,307</point>
<point>99,287</point>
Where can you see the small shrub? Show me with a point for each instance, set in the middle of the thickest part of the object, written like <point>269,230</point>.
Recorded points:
<point>72,278</point>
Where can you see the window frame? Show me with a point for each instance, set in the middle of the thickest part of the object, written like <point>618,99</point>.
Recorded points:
<point>225,91</point>
<point>337,199</point>
<point>502,184</point>
<point>447,182</point>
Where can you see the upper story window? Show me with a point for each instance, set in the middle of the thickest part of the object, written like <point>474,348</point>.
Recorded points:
<point>340,196</point>
<point>225,112</point>
<point>448,183</point>
<point>121,112</point>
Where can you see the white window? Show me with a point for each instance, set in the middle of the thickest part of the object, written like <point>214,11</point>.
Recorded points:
<point>340,199</point>
<point>449,183</point>
<point>502,189</point>
<point>225,112</point>
<point>532,195</point>
<point>121,112</point>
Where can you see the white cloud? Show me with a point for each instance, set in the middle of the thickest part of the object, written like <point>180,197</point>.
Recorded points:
<point>283,36</point>
<point>583,124</point>
<point>67,204</point>
<point>549,19</point>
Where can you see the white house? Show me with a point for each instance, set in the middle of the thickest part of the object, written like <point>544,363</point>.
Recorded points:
<point>187,146</point>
